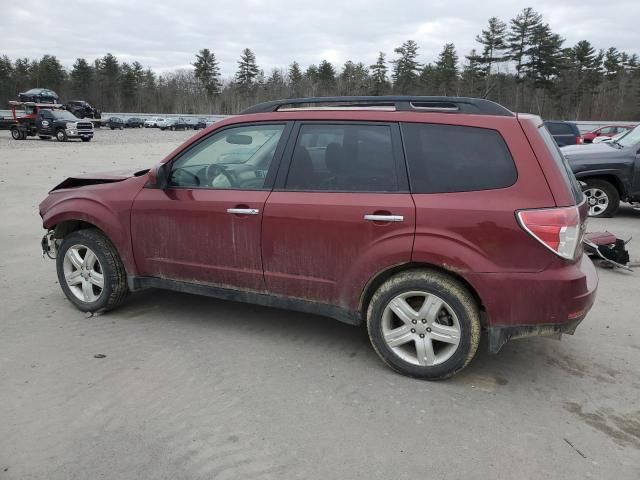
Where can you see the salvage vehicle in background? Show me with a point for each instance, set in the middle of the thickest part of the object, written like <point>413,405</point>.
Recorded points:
<point>134,122</point>
<point>607,131</point>
<point>564,133</point>
<point>114,123</point>
<point>173,124</point>
<point>610,172</point>
<point>153,122</point>
<point>47,120</point>
<point>428,219</point>
<point>82,109</point>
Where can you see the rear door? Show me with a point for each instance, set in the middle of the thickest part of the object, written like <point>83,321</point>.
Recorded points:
<point>340,212</point>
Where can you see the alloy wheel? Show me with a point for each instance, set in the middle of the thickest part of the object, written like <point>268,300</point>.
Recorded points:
<point>421,328</point>
<point>597,199</point>
<point>83,273</point>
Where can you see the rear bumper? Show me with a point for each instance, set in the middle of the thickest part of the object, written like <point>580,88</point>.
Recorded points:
<point>528,304</point>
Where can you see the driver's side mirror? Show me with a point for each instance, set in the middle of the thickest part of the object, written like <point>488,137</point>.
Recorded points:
<point>162,175</point>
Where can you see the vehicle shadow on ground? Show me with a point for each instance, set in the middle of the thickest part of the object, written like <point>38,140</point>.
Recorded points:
<point>276,326</point>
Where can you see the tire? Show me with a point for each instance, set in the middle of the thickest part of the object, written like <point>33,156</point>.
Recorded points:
<point>61,136</point>
<point>17,134</point>
<point>457,320</point>
<point>86,139</point>
<point>107,263</point>
<point>112,128</point>
<point>603,197</point>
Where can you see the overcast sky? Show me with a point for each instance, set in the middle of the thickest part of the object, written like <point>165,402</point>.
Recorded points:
<point>166,35</point>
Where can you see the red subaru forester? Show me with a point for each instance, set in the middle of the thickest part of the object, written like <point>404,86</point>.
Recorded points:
<point>429,219</point>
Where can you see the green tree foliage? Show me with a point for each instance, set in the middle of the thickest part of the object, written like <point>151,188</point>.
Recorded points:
<point>207,70</point>
<point>406,67</point>
<point>379,81</point>
<point>446,70</point>
<point>247,71</point>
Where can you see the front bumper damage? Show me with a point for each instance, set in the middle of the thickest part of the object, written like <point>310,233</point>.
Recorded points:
<point>498,336</point>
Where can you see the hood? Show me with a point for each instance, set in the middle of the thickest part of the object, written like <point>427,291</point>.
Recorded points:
<point>85,179</point>
<point>601,150</point>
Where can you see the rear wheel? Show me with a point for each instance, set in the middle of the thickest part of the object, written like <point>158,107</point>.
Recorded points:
<point>17,134</point>
<point>90,271</point>
<point>61,136</point>
<point>424,324</point>
<point>602,197</point>
<point>86,139</point>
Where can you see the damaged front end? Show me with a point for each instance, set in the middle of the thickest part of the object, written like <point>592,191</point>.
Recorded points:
<point>49,245</point>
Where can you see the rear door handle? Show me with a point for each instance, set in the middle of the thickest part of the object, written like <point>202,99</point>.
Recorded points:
<point>384,218</point>
<point>243,211</point>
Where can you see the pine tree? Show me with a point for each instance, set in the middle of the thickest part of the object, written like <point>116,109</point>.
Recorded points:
<point>207,70</point>
<point>446,70</point>
<point>247,71</point>
<point>521,29</point>
<point>406,67</point>
<point>82,77</point>
<point>295,78</point>
<point>326,77</point>
<point>494,42</point>
<point>379,81</point>
<point>6,78</point>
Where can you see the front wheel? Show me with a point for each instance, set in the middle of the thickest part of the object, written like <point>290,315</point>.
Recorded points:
<point>61,135</point>
<point>602,197</point>
<point>424,324</point>
<point>90,271</point>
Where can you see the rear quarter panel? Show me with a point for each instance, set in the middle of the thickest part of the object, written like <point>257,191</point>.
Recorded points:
<point>477,231</point>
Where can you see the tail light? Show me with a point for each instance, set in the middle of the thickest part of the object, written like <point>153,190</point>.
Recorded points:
<point>579,140</point>
<point>558,229</point>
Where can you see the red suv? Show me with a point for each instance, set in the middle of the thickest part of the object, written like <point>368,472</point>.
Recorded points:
<point>429,219</point>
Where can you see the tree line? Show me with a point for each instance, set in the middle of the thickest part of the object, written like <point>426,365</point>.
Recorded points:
<point>520,63</point>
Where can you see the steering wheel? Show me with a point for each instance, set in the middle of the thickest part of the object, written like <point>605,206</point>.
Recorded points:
<point>218,177</point>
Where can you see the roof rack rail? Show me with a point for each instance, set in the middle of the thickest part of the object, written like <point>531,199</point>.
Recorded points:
<point>404,103</point>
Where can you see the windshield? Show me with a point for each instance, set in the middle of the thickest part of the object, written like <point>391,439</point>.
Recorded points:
<point>632,137</point>
<point>64,115</point>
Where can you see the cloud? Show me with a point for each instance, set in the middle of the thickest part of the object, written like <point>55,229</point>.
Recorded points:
<point>166,36</point>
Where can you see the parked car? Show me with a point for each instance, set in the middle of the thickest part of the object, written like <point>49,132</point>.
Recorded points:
<point>609,171</point>
<point>603,138</point>
<point>82,109</point>
<point>134,122</point>
<point>606,132</point>
<point>564,133</point>
<point>200,123</point>
<point>114,122</point>
<point>425,225</point>
<point>173,124</point>
<point>153,122</point>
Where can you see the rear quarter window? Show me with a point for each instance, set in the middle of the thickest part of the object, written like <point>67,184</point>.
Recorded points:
<point>561,162</point>
<point>453,158</point>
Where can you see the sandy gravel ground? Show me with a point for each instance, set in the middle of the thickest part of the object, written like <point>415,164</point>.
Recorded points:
<point>199,388</point>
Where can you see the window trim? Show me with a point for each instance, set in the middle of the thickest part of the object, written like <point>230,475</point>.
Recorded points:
<point>396,148</point>
<point>269,178</point>
<point>504,140</point>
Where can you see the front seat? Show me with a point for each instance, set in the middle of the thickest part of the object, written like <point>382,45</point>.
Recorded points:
<point>301,173</point>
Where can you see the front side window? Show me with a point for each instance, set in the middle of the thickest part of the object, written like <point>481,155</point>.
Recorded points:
<point>343,158</point>
<point>453,158</point>
<point>235,158</point>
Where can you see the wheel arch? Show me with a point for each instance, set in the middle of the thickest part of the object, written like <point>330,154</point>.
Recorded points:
<point>612,178</point>
<point>382,276</point>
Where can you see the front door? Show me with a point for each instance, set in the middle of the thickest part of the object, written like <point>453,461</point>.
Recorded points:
<point>44,122</point>
<point>205,226</point>
<point>342,214</point>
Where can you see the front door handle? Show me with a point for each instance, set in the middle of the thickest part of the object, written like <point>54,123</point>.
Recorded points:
<point>384,218</point>
<point>243,211</point>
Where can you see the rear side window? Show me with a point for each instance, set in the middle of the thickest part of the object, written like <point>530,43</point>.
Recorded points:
<point>562,163</point>
<point>343,158</point>
<point>558,128</point>
<point>451,158</point>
